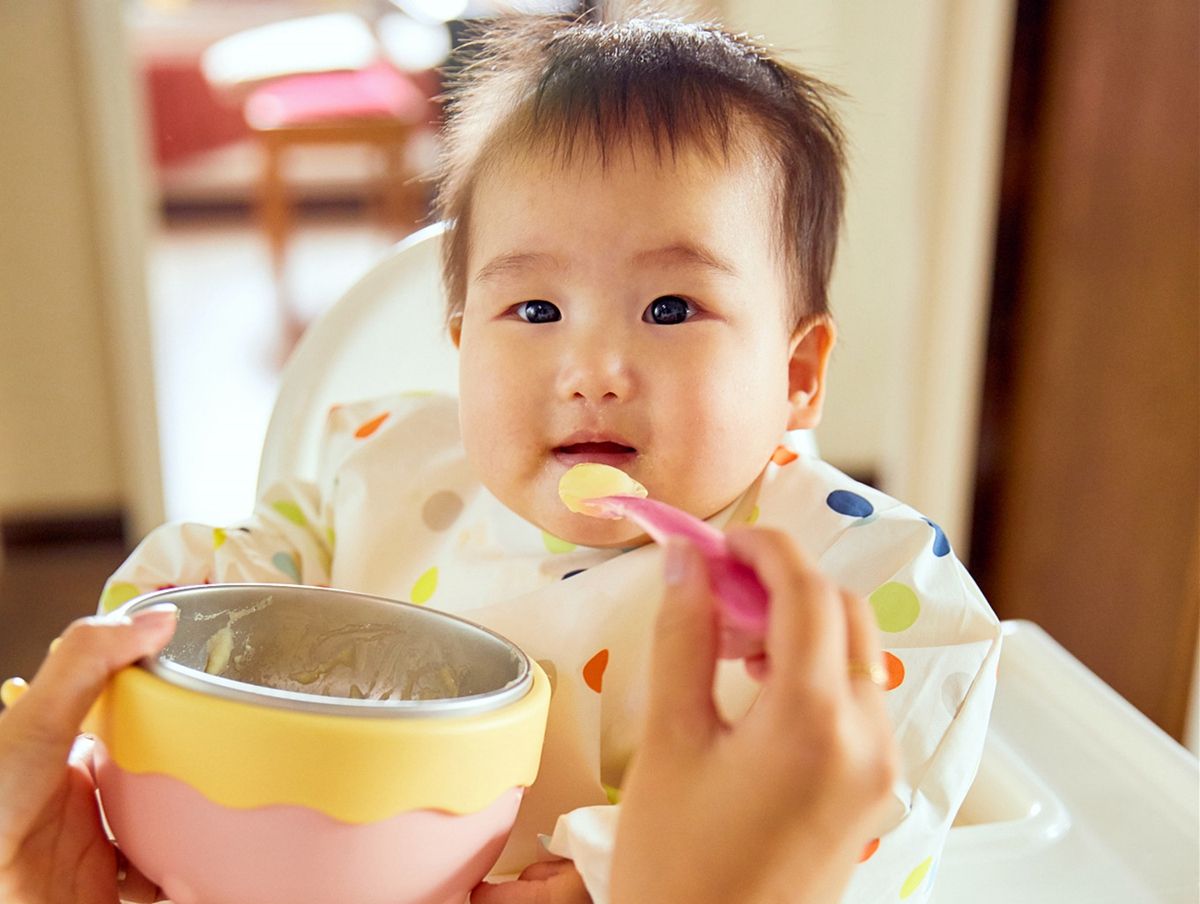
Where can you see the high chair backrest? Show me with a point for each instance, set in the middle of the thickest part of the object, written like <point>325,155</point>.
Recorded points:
<point>386,335</point>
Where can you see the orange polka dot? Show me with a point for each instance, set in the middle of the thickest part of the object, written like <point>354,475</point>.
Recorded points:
<point>895,671</point>
<point>370,426</point>
<point>593,672</point>
<point>871,848</point>
<point>783,456</point>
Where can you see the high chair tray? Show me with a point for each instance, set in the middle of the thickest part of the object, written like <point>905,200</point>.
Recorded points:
<point>1079,797</point>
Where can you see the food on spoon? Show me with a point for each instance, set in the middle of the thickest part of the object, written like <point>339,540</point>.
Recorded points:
<point>592,480</point>
<point>606,492</point>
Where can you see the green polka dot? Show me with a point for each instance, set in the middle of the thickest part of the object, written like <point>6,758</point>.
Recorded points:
<point>752,518</point>
<point>331,536</point>
<point>219,537</point>
<point>915,878</point>
<point>291,511</point>
<point>116,595</point>
<point>555,545</point>
<point>613,794</point>
<point>896,607</point>
<point>424,587</point>
<point>287,564</point>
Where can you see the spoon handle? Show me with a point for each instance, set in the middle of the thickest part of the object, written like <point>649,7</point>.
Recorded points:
<point>734,582</point>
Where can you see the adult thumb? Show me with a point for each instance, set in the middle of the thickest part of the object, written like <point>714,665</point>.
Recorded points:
<point>37,731</point>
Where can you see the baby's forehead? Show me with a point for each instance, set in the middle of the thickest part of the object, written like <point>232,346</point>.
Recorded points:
<point>530,163</point>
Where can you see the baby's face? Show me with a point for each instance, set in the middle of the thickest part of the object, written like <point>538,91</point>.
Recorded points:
<point>634,316</point>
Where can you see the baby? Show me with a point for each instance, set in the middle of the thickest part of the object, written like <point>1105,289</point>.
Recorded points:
<point>644,215</point>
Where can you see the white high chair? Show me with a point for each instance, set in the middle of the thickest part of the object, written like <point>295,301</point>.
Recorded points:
<point>385,335</point>
<point>1079,797</point>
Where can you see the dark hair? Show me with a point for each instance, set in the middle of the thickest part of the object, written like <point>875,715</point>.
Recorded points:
<point>565,84</point>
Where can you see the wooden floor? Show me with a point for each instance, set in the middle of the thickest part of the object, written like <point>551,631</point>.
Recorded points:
<point>43,587</point>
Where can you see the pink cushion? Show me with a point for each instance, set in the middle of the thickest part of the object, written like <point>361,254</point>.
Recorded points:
<point>376,92</point>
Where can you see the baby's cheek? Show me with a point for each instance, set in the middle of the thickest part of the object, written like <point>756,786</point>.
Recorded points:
<point>726,450</point>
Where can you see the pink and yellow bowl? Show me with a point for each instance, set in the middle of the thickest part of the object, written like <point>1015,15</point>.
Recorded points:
<point>228,792</point>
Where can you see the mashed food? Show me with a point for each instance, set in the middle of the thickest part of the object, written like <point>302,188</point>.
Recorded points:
<point>592,480</point>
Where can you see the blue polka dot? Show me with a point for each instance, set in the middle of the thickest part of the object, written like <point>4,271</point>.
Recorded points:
<point>846,503</point>
<point>571,574</point>
<point>286,564</point>
<point>941,546</point>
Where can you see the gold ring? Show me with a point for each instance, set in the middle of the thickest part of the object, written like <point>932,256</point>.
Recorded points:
<point>872,671</point>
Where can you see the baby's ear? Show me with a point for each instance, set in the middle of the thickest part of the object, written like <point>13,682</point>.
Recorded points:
<point>454,325</point>
<point>810,348</point>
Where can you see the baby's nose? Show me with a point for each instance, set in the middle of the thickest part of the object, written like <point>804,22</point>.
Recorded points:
<point>598,373</point>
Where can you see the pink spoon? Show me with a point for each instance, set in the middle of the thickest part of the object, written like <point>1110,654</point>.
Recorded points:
<point>743,597</point>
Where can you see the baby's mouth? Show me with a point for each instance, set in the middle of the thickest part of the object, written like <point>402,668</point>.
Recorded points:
<point>605,452</point>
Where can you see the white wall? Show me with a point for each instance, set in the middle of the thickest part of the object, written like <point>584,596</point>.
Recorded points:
<point>57,438</point>
<point>926,83</point>
<point>71,246</point>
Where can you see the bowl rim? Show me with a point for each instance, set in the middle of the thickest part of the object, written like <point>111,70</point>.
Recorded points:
<point>244,692</point>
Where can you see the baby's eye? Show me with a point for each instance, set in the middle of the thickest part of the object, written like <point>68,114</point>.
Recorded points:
<point>538,312</point>
<point>667,310</point>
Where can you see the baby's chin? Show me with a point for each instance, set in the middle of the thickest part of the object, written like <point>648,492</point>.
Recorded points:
<point>599,533</point>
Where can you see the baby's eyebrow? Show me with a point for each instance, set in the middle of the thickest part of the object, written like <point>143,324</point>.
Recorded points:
<point>515,261</point>
<point>679,254</point>
<point>688,255</point>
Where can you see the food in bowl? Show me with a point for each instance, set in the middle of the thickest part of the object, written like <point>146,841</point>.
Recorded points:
<point>297,745</point>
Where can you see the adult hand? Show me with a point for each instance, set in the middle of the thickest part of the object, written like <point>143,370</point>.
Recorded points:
<point>779,805</point>
<point>53,848</point>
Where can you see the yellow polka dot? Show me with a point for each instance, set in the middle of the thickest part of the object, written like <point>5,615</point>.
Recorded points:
<point>219,537</point>
<point>291,511</point>
<point>424,587</point>
<point>613,794</point>
<point>555,545</point>
<point>896,607</point>
<point>915,878</point>
<point>117,595</point>
<point>331,536</point>
<point>753,516</point>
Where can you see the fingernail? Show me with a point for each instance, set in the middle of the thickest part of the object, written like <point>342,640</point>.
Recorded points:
<point>156,615</point>
<point>675,566</point>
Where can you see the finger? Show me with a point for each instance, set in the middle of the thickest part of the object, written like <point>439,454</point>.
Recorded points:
<point>515,892</point>
<point>862,639</point>
<point>71,678</point>
<point>541,870</point>
<point>806,632</point>
<point>684,653</point>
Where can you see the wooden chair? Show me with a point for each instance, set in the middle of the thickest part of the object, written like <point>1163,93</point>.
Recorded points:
<point>378,107</point>
<point>321,80</point>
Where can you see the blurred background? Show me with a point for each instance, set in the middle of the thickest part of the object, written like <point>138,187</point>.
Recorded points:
<point>186,184</point>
